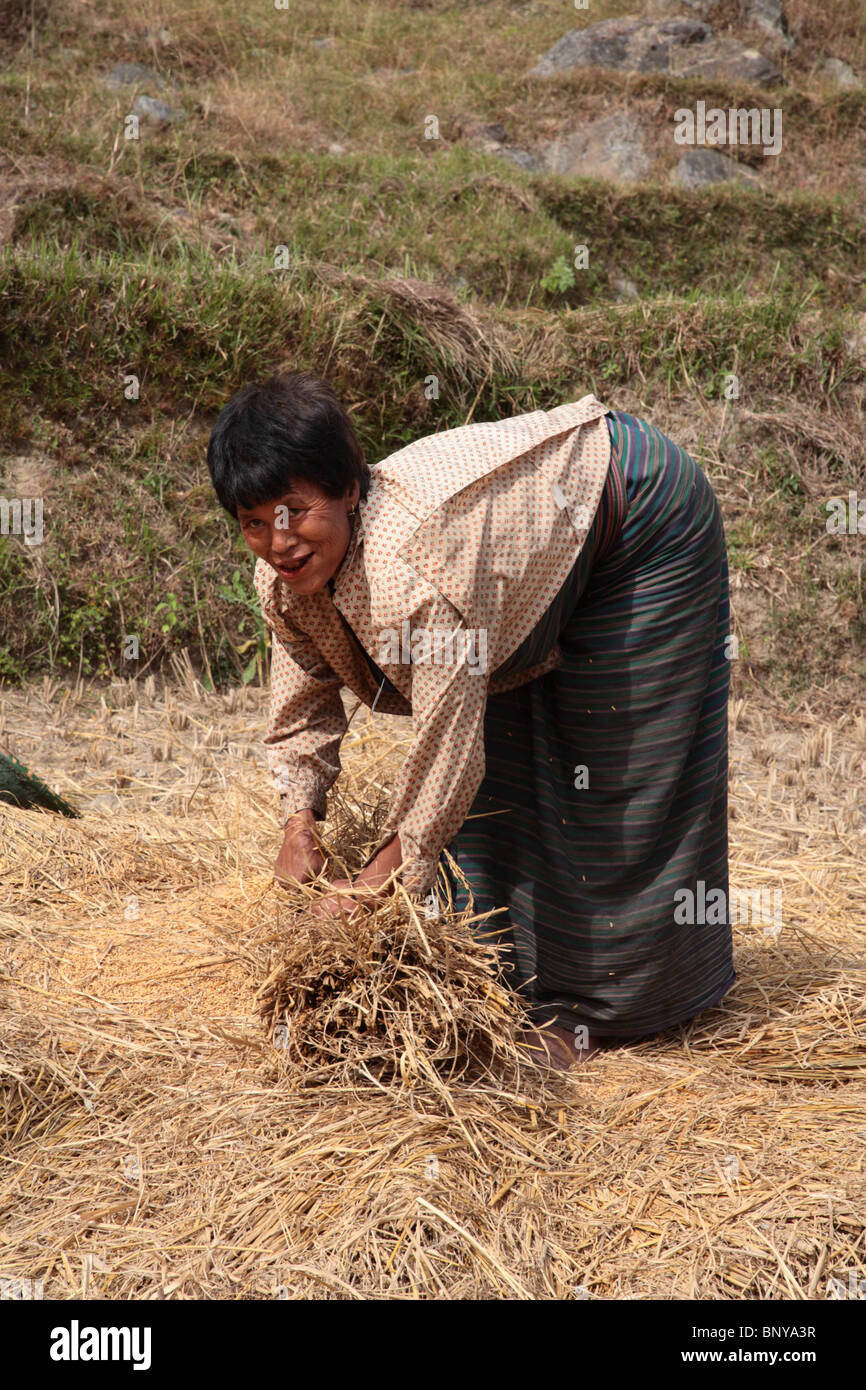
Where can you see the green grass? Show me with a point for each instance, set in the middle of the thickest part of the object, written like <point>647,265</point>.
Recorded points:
<point>218,323</point>
<point>155,258</point>
<point>501,232</point>
<point>135,538</point>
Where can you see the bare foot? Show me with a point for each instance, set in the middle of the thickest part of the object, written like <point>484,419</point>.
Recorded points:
<point>554,1047</point>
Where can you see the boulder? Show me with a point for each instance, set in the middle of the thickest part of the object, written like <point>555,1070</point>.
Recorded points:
<point>492,138</point>
<point>841,74</point>
<point>697,168</point>
<point>612,147</point>
<point>483,133</point>
<point>638,44</point>
<point>157,112</point>
<point>524,159</point>
<point>770,16</point>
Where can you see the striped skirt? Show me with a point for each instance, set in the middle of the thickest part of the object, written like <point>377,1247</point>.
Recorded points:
<point>605,791</point>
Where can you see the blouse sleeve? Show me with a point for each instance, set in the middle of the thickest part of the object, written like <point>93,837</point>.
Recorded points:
<point>306,725</point>
<point>445,764</point>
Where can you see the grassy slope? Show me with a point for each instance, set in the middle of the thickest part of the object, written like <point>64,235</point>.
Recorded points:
<point>156,258</point>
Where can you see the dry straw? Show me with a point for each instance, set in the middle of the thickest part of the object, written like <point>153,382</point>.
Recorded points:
<point>159,1141</point>
<point>385,994</point>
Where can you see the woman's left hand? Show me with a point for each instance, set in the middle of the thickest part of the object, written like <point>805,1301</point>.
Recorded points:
<point>372,882</point>
<point>348,900</point>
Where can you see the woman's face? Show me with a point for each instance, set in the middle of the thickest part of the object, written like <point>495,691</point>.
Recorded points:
<point>303,535</point>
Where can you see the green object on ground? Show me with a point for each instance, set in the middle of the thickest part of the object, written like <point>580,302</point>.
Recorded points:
<point>20,788</point>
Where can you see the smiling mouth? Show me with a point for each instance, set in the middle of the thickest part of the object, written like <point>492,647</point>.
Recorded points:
<point>295,568</point>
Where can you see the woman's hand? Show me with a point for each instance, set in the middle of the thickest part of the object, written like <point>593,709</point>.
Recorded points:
<point>300,858</point>
<point>347,899</point>
<point>370,887</point>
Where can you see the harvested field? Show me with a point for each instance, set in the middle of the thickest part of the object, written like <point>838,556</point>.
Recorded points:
<point>206,1094</point>
<point>184,1117</point>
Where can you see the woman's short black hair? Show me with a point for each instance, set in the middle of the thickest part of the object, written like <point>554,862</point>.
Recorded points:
<point>273,433</point>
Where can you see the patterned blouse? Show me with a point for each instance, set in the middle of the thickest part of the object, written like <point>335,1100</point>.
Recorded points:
<point>462,543</point>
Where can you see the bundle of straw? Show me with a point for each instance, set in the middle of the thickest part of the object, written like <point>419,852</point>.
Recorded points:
<point>389,994</point>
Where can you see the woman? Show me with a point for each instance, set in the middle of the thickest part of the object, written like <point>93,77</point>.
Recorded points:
<point>547,597</point>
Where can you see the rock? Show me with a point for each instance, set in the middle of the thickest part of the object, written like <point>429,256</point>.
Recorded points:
<point>769,16</point>
<point>682,47</point>
<point>697,168</point>
<point>133,75</point>
<point>841,74</point>
<point>855,339</point>
<point>336,149</point>
<point>156,112</point>
<point>625,288</point>
<point>493,139</point>
<point>533,163</point>
<point>603,45</point>
<point>480,133</point>
<point>610,148</point>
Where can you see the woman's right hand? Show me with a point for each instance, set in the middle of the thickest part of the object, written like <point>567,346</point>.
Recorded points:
<point>300,858</point>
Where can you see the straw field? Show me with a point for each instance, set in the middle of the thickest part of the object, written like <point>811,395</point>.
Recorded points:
<point>206,1094</point>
